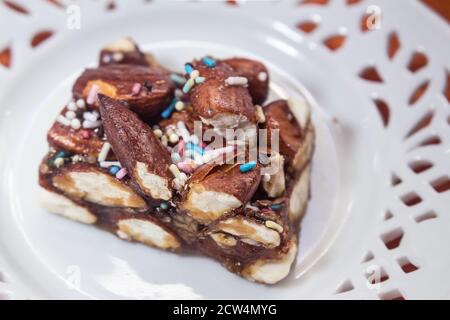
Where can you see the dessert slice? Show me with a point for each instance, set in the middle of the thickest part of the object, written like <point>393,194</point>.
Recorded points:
<point>134,163</point>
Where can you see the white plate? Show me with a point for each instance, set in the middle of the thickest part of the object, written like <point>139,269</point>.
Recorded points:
<point>44,256</point>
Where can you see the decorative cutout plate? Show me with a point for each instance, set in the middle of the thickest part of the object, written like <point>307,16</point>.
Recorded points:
<point>377,225</point>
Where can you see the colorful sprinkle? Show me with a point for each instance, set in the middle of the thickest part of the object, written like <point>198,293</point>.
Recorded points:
<point>87,124</point>
<point>200,79</point>
<point>188,85</point>
<point>183,131</point>
<point>61,154</point>
<point>121,173</point>
<point>181,147</point>
<point>247,166</point>
<point>236,81</point>
<point>164,205</point>
<point>276,207</point>
<point>70,115</point>
<point>175,157</point>
<point>194,74</point>
<point>195,148</point>
<point>85,134</point>
<point>175,171</point>
<point>136,89</point>
<point>72,106</point>
<point>58,162</point>
<point>168,111</point>
<point>75,124</point>
<point>104,152</point>
<point>107,164</point>
<point>114,170</point>
<point>179,105</point>
<point>209,62</point>
<point>63,120</point>
<point>188,68</point>
<point>92,96</point>
<point>177,78</point>
<point>81,103</point>
<point>184,166</point>
<point>262,76</point>
<point>158,133</point>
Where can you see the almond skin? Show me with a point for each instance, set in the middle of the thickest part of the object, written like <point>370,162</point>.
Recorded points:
<point>117,81</point>
<point>213,100</point>
<point>257,75</point>
<point>137,148</point>
<point>278,116</point>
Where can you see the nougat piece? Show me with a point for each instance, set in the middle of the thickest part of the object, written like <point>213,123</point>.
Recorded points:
<point>136,147</point>
<point>219,190</point>
<point>218,104</point>
<point>296,133</point>
<point>257,75</point>
<point>147,91</point>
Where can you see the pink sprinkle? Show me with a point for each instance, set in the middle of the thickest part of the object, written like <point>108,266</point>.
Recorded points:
<point>185,167</point>
<point>181,146</point>
<point>92,96</point>
<point>136,89</point>
<point>121,173</point>
<point>85,134</point>
<point>169,149</point>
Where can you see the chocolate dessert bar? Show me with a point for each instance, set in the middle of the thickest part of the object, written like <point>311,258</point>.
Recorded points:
<point>185,162</point>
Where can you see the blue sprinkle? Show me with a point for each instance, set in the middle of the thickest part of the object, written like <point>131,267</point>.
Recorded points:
<point>188,85</point>
<point>200,79</point>
<point>61,154</point>
<point>276,207</point>
<point>195,148</point>
<point>188,68</point>
<point>177,78</point>
<point>247,166</point>
<point>113,170</point>
<point>209,62</point>
<point>164,206</point>
<point>168,111</point>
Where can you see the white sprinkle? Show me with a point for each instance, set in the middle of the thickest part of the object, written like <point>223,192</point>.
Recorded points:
<point>70,115</point>
<point>175,171</point>
<point>236,81</point>
<point>169,130</point>
<point>194,139</point>
<point>81,103</point>
<point>194,74</point>
<point>266,177</point>
<point>262,76</point>
<point>164,140</point>
<point>87,124</point>
<point>106,58</point>
<point>63,120</point>
<point>75,124</point>
<point>179,105</point>
<point>92,96</point>
<point>118,56</point>
<point>259,113</point>
<point>59,162</point>
<point>107,164</point>
<point>173,138</point>
<point>175,157</point>
<point>104,152</point>
<point>91,116</point>
<point>183,131</point>
<point>158,133</point>
<point>178,93</point>
<point>72,106</point>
